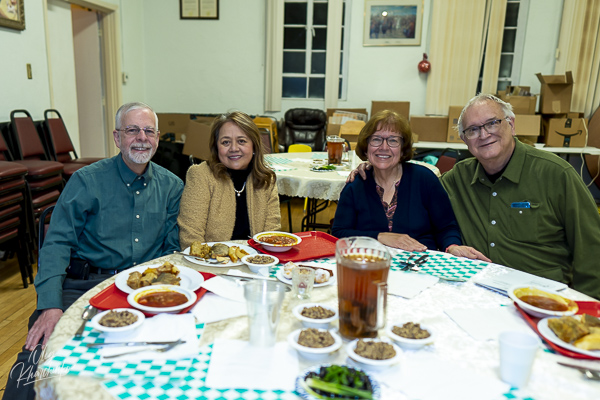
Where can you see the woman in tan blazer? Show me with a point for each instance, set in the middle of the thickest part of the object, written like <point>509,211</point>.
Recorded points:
<point>234,194</point>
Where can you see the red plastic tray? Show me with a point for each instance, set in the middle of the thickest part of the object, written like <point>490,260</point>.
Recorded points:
<point>111,297</point>
<point>585,307</point>
<point>314,245</point>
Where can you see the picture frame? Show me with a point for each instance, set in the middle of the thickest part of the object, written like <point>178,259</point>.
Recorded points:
<point>393,22</point>
<point>198,9</point>
<point>12,14</point>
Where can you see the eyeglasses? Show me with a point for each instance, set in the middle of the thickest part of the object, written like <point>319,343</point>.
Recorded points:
<point>135,130</point>
<point>392,141</point>
<point>474,132</point>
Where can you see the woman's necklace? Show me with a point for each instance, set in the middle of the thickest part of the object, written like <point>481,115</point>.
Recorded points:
<point>239,192</point>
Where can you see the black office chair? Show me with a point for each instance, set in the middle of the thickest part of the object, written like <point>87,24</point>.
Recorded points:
<point>303,126</point>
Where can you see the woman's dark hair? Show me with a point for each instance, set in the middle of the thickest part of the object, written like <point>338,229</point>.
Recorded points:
<point>262,176</point>
<point>388,120</point>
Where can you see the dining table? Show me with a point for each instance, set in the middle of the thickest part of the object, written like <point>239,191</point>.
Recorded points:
<point>303,175</point>
<point>461,363</point>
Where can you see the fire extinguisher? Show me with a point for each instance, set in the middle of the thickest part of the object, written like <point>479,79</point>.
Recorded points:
<point>424,65</point>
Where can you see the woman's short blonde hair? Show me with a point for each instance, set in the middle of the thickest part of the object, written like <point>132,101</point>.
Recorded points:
<point>388,120</point>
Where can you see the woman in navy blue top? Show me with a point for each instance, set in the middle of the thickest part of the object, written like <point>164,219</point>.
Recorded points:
<point>401,204</point>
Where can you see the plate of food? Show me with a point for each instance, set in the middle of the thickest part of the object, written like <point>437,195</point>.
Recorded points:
<point>275,241</point>
<point>323,276</point>
<point>218,254</point>
<point>330,381</point>
<point>158,274</point>
<point>542,303</point>
<point>579,333</point>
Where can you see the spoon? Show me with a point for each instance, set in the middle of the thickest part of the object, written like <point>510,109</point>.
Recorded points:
<point>88,314</point>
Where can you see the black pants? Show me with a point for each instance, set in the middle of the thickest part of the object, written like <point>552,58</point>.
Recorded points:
<point>21,377</point>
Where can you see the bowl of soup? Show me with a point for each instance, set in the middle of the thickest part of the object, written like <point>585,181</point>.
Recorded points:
<point>161,299</point>
<point>277,241</point>
<point>542,303</point>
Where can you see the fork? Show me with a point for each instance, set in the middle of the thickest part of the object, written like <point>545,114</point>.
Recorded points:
<point>160,350</point>
<point>206,260</point>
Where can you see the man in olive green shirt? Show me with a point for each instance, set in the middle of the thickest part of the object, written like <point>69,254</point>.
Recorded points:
<point>523,207</point>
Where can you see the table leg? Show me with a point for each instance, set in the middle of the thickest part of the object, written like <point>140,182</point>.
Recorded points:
<point>309,222</point>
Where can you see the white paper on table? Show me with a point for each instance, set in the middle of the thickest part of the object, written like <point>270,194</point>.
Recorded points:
<point>409,284</point>
<point>237,364</point>
<point>160,328</point>
<point>225,288</point>
<point>488,323</point>
<point>425,376</point>
<point>236,272</point>
<point>502,282</point>
<point>214,308</point>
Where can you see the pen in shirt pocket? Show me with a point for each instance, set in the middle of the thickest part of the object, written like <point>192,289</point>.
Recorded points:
<point>520,204</point>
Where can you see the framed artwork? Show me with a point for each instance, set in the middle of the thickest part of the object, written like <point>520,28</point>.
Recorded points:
<point>198,9</point>
<point>12,14</point>
<point>393,22</point>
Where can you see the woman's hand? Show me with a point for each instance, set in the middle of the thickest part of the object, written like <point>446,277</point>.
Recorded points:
<point>467,252</point>
<point>359,170</point>
<point>400,241</point>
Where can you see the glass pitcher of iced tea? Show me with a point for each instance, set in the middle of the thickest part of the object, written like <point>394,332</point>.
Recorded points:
<point>363,265</point>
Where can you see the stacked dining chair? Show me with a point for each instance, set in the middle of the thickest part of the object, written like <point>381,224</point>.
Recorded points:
<point>59,145</point>
<point>44,177</point>
<point>14,230</point>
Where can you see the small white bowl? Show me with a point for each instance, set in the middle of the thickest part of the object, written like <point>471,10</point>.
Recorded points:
<point>117,331</point>
<point>311,322</point>
<point>407,343</point>
<point>136,294</point>
<point>312,353</point>
<point>370,364</point>
<point>536,311</point>
<point>256,268</point>
<point>277,248</point>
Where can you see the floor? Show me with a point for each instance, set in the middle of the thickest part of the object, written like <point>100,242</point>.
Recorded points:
<point>17,303</point>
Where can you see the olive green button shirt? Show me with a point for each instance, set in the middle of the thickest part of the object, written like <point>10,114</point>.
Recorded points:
<point>557,238</point>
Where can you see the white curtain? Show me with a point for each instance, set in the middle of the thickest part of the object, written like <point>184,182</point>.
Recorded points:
<point>274,55</point>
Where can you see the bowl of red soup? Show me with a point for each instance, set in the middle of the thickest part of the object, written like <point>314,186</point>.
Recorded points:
<point>542,303</point>
<point>277,241</point>
<point>161,299</point>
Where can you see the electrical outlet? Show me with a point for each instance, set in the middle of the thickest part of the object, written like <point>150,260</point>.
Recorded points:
<point>125,77</point>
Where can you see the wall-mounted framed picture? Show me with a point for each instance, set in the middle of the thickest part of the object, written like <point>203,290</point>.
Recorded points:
<point>198,9</point>
<point>12,14</point>
<point>393,22</point>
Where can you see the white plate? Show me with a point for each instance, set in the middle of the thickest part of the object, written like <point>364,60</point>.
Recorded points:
<point>279,275</point>
<point>547,333</point>
<point>190,279</point>
<point>248,249</point>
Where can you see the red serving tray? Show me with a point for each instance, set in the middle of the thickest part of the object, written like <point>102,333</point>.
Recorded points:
<point>585,307</point>
<point>111,297</point>
<point>314,244</point>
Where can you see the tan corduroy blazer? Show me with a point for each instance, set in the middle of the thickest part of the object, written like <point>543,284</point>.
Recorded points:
<point>207,209</point>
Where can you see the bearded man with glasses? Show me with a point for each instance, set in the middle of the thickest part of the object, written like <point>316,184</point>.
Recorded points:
<point>112,215</point>
<point>523,207</point>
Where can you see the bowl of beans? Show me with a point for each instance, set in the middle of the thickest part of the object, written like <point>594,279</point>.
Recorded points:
<point>314,315</point>
<point>118,321</point>
<point>259,262</point>
<point>410,335</point>
<point>277,241</point>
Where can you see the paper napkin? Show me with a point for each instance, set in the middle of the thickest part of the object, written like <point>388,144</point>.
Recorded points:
<point>409,284</point>
<point>488,323</point>
<point>160,328</point>
<point>237,364</point>
<point>214,308</point>
<point>224,287</point>
<point>236,272</point>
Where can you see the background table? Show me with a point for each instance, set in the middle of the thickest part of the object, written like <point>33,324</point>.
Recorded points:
<point>549,380</point>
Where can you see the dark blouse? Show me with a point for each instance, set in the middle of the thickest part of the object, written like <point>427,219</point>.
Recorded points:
<point>241,229</point>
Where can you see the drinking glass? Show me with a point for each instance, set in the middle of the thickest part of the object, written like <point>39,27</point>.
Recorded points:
<point>263,300</point>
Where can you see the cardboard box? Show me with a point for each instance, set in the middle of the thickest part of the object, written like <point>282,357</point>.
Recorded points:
<point>556,93</point>
<point>197,138</point>
<point>521,104</point>
<point>333,128</point>
<point>331,111</point>
<point>452,135</point>
<point>173,123</point>
<point>401,107</point>
<point>566,132</point>
<point>528,125</point>
<point>350,131</point>
<point>429,128</point>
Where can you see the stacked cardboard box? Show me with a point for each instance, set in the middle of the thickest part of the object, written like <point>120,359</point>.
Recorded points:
<point>429,128</point>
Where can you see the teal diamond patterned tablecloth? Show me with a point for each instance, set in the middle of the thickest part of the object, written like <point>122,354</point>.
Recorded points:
<point>190,387</point>
<point>442,265</point>
<point>75,358</point>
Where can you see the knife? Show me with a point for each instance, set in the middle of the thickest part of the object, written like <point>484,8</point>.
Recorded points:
<point>265,278</point>
<point>128,344</point>
<point>579,367</point>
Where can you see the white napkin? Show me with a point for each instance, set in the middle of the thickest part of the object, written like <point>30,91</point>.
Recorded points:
<point>160,328</point>
<point>409,284</point>
<point>225,288</point>
<point>237,364</point>
<point>237,272</point>
<point>488,323</point>
<point>214,308</point>
<point>425,376</point>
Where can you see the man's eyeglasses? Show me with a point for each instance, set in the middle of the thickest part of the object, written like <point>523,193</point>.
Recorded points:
<point>135,130</point>
<point>392,141</point>
<point>474,132</point>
